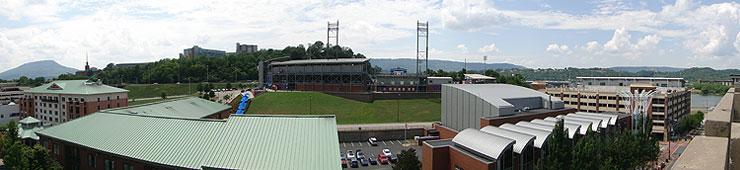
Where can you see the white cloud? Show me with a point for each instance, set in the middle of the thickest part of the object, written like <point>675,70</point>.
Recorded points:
<point>558,50</point>
<point>489,48</point>
<point>620,45</point>
<point>462,48</point>
<point>471,15</point>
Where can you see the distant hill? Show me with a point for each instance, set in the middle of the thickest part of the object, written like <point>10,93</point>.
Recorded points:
<point>445,65</point>
<point>43,68</point>
<point>635,69</point>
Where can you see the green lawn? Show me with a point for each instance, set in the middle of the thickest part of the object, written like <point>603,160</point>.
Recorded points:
<point>137,91</point>
<point>347,111</point>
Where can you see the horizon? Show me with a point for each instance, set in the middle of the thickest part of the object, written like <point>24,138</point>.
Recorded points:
<point>557,34</point>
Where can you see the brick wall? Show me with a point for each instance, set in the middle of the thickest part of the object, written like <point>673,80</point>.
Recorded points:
<point>444,132</point>
<point>100,157</point>
<point>465,161</point>
<point>435,158</point>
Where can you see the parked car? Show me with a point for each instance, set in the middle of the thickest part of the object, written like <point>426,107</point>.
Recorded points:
<point>383,159</point>
<point>353,163</point>
<point>360,155</point>
<point>344,160</point>
<point>363,162</point>
<point>350,154</point>
<point>373,141</point>
<point>387,152</point>
<point>393,159</point>
<point>372,160</point>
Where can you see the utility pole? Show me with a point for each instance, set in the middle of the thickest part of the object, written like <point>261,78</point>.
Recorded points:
<point>398,108</point>
<point>310,104</point>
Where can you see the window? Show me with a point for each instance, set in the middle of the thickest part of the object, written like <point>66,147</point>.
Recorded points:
<point>98,99</point>
<point>118,97</point>
<point>127,166</point>
<point>55,149</point>
<point>458,168</point>
<point>110,164</point>
<point>91,160</point>
<point>62,100</point>
<point>108,98</point>
<point>45,144</point>
<point>602,84</point>
<point>98,107</point>
<point>118,104</point>
<point>664,85</point>
<point>589,83</point>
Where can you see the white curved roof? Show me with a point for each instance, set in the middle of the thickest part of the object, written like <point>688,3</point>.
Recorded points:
<point>569,130</point>
<point>491,146</point>
<point>603,121</point>
<point>612,121</point>
<point>541,136</point>
<point>573,129</point>
<point>522,139</point>
<point>594,125</point>
<point>496,93</point>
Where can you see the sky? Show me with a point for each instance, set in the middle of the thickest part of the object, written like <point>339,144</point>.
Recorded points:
<point>532,33</point>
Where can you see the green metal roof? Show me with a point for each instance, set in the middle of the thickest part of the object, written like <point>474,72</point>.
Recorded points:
<point>239,142</point>
<point>74,87</point>
<point>29,120</point>
<point>191,107</point>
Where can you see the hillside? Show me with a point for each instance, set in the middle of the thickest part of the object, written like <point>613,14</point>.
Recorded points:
<point>691,74</point>
<point>445,65</point>
<point>43,68</point>
<point>347,111</point>
<point>635,69</point>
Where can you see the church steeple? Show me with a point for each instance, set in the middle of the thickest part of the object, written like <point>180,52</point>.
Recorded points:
<point>87,65</point>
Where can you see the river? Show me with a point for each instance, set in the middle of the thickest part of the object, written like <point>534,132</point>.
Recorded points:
<point>698,100</point>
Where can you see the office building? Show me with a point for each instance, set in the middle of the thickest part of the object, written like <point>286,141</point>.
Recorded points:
<point>198,51</point>
<point>9,112</point>
<point>11,94</point>
<point>63,100</point>
<point>245,48</point>
<point>669,105</point>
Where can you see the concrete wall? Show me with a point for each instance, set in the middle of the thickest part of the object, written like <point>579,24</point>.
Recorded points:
<point>394,134</point>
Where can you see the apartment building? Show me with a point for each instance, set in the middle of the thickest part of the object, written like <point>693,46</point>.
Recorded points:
<point>63,100</point>
<point>198,51</point>
<point>669,105</point>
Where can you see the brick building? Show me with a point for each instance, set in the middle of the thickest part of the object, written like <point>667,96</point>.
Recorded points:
<point>63,100</point>
<point>136,141</point>
<point>668,107</point>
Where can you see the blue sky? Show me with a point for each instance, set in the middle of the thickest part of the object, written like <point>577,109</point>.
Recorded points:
<point>532,33</point>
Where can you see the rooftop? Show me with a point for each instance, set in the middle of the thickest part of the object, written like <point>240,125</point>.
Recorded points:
<point>75,87</point>
<point>190,107</point>
<point>489,145</point>
<point>541,135</point>
<point>323,61</point>
<point>478,77</point>
<point>497,94</point>
<point>522,140</point>
<point>240,142</point>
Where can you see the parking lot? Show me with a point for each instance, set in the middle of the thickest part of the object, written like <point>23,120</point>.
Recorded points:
<point>372,151</point>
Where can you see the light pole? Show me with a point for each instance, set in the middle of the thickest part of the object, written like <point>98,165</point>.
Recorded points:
<point>310,106</point>
<point>398,108</point>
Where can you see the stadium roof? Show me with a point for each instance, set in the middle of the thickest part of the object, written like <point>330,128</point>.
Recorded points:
<point>541,135</point>
<point>322,61</point>
<point>191,107</point>
<point>522,139</point>
<point>497,93</point>
<point>75,87</point>
<point>239,142</point>
<point>490,145</point>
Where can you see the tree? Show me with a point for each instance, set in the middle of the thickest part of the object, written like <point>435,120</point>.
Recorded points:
<point>199,87</point>
<point>587,153</point>
<point>226,97</point>
<point>15,156</point>
<point>211,94</point>
<point>39,159</point>
<point>164,95</point>
<point>12,135</point>
<point>558,150</point>
<point>228,85</point>
<point>407,160</point>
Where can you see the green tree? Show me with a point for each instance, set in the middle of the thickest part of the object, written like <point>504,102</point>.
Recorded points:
<point>164,95</point>
<point>587,153</point>
<point>200,87</point>
<point>558,150</point>
<point>228,85</point>
<point>407,160</point>
<point>211,94</point>
<point>39,159</point>
<point>15,156</point>
<point>226,97</point>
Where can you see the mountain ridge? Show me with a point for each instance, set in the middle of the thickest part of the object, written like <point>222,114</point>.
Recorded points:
<point>41,68</point>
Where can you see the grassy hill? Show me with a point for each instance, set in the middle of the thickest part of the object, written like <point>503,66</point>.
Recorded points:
<point>347,111</point>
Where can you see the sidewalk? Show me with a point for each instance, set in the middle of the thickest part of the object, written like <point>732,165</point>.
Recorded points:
<point>675,145</point>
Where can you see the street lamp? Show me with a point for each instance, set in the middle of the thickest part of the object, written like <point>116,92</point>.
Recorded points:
<point>398,108</point>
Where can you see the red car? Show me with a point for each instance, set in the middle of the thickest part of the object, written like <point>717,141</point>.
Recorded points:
<point>382,159</point>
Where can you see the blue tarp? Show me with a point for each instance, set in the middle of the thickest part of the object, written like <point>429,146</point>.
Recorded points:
<point>244,99</point>
<point>240,112</point>
<point>242,106</point>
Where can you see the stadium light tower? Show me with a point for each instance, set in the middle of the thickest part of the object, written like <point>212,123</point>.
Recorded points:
<point>422,31</point>
<point>332,32</point>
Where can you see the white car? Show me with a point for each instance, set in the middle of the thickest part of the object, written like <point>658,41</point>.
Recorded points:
<point>373,141</point>
<point>350,154</point>
<point>387,152</point>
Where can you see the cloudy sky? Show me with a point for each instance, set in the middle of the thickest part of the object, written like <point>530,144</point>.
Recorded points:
<point>533,33</point>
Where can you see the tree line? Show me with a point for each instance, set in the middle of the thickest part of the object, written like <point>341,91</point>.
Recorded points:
<point>711,88</point>
<point>16,155</point>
